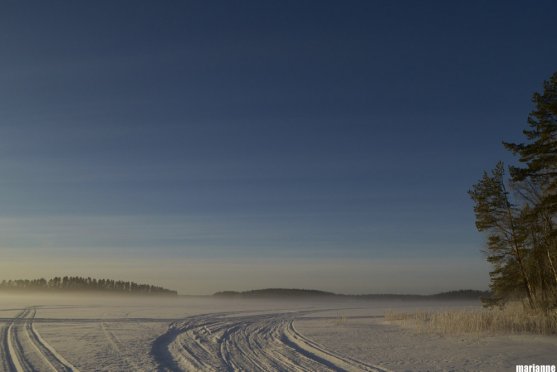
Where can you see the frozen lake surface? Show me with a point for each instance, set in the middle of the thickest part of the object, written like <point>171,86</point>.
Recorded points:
<point>61,333</point>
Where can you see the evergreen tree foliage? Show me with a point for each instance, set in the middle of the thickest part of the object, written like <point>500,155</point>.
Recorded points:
<point>521,233</point>
<point>496,215</point>
<point>539,153</point>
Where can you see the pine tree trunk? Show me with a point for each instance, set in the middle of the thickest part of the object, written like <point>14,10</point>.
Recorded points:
<point>548,233</point>
<point>516,249</point>
<point>527,285</point>
<point>551,265</point>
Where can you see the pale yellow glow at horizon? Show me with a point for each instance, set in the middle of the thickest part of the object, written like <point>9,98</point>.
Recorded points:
<point>206,276</point>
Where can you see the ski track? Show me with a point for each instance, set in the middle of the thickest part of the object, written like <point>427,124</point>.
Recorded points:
<point>23,348</point>
<point>267,342</point>
<point>118,346</point>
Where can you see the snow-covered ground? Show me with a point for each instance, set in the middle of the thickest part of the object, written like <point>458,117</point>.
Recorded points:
<point>47,333</point>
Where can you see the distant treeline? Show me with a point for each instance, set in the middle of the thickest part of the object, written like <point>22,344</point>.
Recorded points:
<point>462,294</point>
<point>276,292</point>
<point>465,294</point>
<point>77,283</point>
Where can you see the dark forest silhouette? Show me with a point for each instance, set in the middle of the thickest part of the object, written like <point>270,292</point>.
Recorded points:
<point>463,294</point>
<point>77,283</point>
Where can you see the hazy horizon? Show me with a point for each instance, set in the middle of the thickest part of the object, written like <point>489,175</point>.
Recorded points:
<point>242,146</point>
<point>205,277</point>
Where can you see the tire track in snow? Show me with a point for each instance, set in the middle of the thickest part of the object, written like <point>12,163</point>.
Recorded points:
<point>51,357</point>
<point>306,345</point>
<point>217,342</point>
<point>11,359</point>
<point>25,350</point>
<point>4,352</point>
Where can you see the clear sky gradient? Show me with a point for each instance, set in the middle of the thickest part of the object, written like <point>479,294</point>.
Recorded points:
<point>235,145</point>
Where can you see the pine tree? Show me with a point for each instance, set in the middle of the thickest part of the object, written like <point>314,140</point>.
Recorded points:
<point>500,219</point>
<point>539,154</point>
<point>522,237</point>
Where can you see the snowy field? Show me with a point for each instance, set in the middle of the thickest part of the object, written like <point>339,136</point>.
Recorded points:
<point>59,333</point>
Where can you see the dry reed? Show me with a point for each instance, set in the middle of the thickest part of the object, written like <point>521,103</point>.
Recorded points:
<point>511,319</point>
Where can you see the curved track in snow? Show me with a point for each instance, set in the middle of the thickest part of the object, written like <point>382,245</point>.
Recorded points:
<point>23,348</point>
<point>267,342</point>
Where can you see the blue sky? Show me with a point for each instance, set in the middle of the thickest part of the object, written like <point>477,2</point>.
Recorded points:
<point>260,143</point>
